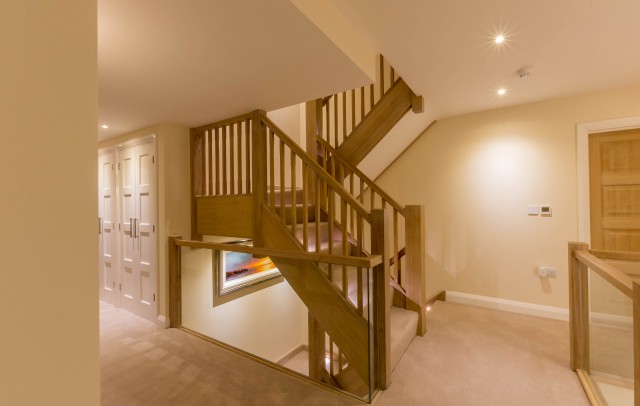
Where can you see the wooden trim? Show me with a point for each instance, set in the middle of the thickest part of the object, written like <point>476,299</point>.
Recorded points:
<point>321,173</point>
<point>272,365</point>
<point>370,184</point>
<point>380,222</point>
<point>361,262</point>
<point>290,354</point>
<point>619,255</point>
<point>417,103</point>
<point>175,282</point>
<point>610,273</point>
<point>442,296</point>
<point>224,123</point>
<point>578,309</point>
<point>195,157</point>
<point>416,263</point>
<point>229,215</point>
<point>590,389</point>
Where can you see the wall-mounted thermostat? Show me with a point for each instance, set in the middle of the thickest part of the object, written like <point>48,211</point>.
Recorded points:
<point>545,210</point>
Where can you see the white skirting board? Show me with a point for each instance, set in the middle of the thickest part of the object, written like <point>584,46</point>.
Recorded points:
<point>550,312</point>
<point>163,321</point>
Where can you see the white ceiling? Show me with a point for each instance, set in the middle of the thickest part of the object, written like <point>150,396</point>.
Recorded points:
<point>444,49</point>
<point>199,61</point>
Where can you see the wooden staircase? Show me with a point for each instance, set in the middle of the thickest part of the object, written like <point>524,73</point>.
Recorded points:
<point>250,180</point>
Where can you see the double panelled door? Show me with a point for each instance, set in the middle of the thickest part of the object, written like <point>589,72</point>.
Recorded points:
<point>137,228</point>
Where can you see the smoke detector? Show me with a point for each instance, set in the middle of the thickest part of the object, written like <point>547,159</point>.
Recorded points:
<point>523,73</point>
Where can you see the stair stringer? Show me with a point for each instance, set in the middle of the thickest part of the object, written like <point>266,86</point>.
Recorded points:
<point>337,316</point>
<point>384,116</point>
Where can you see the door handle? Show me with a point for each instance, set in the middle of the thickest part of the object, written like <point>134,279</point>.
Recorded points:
<point>131,228</point>
<point>137,227</point>
<point>99,225</point>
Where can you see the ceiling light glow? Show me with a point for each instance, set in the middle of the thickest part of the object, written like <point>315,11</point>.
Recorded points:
<point>501,92</point>
<point>499,39</point>
<point>104,126</point>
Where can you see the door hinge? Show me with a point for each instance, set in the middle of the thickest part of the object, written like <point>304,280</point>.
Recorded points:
<point>153,159</point>
<point>118,226</point>
<point>112,166</point>
<point>120,286</point>
<point>154,228</point>
<point>154,297</point>
<point>114,284</point>
<point>118,165</point>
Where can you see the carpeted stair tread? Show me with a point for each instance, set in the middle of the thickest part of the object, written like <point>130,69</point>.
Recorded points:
<point>404,324</point>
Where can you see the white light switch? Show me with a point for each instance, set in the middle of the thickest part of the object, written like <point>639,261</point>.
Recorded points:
<point>533,210</point>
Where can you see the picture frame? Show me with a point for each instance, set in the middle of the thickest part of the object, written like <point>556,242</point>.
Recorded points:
<point>238,274</point>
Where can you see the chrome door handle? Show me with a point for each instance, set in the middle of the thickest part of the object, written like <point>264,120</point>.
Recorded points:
<point>131,228</point>
<point>99,225</point>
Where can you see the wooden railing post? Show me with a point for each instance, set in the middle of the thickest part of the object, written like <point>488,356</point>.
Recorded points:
<point>197,177</point>
<point>578,309</point>
<point>415,268</point>
<point>313,120</point>
<point>259,169</point>
<point>380,232</point>
<point>175,283</point>
<point>317,350</point>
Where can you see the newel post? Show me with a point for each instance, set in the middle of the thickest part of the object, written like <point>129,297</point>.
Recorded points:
<point>415,242</point>
<point>175,283</point>
<point>198,177</point>
<point>259,173</point>
<point>578,309</point>
<point>380,232</point>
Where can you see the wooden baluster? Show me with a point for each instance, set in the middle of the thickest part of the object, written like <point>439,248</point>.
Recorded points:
<point>345,247</point>
<point>272,171</point>
<point>294,190</point>
<point>373,197</point>
<point>360,242</point>
<point>362,103</point>
<point>332,217</point>
<point>351,192</point>
<point>372,98</point>
<point>232,159</point>
<point>210,168</point>
<point>344,117</point>
<point>579,310</point>
<point>381,76</point>
<point>353,109</point>
<point>396,261</point>
<point>327,109</point>
<point>337,120</point>
<point>339,360</point>
<point>240,158</point>
<point>282,181</point>
<point>224,160</point>
<point>305,207</point>
<point>415,255</point>
<point>361,196</point>
<point>216,133</point>
<point>317,215</point>
<point>330,356</point>
<point>380,232</point>
<point>247,160</point>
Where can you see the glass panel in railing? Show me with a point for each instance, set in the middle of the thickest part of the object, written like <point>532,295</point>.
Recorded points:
<point>611,341</point>
<point>263,306</point>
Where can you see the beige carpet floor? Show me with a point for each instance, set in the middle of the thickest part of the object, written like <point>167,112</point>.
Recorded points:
<point>476,356</point>
<point>470,356</point>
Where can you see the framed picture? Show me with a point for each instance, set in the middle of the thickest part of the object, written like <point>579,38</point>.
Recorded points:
<point>238,274</point>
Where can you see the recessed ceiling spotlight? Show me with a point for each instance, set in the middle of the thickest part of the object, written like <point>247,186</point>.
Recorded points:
<point>501,92</point>
<point>104,126</point>
<point>499,39</point>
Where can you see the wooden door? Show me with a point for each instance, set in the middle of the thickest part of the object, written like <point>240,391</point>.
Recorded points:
<point>137,177</point>
<point>614,184</point>
<point>108,277</point>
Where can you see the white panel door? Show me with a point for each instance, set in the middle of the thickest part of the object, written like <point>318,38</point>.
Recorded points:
<point>108,277</point>
<point>137,230</point>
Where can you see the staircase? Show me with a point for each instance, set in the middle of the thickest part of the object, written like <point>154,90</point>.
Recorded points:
<point>250,180</point>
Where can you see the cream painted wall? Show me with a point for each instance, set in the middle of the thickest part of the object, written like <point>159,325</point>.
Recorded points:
<point>173,193</point>
<point>48,206</point>
<point>268,323</point>
<point>477,173</point>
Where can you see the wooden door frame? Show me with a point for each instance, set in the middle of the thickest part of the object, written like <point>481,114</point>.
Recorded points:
<point>583,130</point>
<point>147,139</point>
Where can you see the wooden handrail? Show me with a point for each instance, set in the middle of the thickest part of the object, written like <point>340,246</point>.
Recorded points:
<point>225,122</point>
<point>619,255</point>
<point>610,273</point>
<point>317,169</point>
<point>401,254</point>
<point>358,262</point>
<point>370,184</point>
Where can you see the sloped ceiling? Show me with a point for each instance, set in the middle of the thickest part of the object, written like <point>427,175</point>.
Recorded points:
<point>199,61</point>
